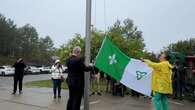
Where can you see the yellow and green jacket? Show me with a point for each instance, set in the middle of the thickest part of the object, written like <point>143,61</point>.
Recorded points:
<point>161,77</point>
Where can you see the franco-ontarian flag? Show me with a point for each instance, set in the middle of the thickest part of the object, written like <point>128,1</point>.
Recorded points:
<point>131,72</point>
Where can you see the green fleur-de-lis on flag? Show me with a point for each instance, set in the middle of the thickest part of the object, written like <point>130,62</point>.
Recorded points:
<point>112,59</point>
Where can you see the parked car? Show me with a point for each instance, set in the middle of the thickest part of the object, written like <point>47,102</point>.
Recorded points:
<point>65,69</point>
<point>45,70</point>
<point>32,70</point>
<point>7,70</point>
<point>27,71</point>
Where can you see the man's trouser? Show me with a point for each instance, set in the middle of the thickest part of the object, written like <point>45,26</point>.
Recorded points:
<point>16,80</point>
<point>95,84</point>
<point>178,88</point>
<point>160,101</point>
<point>75,96</point>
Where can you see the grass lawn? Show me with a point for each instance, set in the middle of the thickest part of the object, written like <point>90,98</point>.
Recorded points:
<point>49,84</point>
<point>44,83</point>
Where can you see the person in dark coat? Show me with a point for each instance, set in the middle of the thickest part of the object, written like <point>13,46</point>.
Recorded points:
<point>178,80</point>
<point>75,79</point>
<point>19,74</point>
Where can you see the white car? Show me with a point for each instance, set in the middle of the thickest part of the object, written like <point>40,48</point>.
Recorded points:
<point>33,70</point>
<point>6,70</point>
<point>45,69</point>
<point>64,69</point>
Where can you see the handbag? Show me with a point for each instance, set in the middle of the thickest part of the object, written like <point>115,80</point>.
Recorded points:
<point>62,78</point>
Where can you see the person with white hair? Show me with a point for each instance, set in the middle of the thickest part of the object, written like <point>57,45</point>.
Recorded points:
<point>75,79</point>
<point>57,77</point>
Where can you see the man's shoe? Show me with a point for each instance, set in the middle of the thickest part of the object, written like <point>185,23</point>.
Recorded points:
<point>13,93</point>
<point>174,97</point>
<point>99,94</point>
<point>54,96</point>
<point>59,96</point>
<point>20,92</point>
<point>93,93</point>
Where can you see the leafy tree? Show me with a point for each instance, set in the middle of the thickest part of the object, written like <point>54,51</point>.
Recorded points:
<point>8,32</point>
<point>29,41</point>
<point>125,35</point>
<point>23,42</point>
<point>45,50</point>
<point>186,47</point>
<point>66,49</point>
<point>128,38</point>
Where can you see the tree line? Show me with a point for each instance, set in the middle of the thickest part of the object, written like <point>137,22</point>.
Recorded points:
<point>124,34</point>
<point>128,38</point>
<point>185,47</point>
<point>16,42</point>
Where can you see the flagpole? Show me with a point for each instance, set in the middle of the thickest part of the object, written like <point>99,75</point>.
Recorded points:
<point>87,52</point>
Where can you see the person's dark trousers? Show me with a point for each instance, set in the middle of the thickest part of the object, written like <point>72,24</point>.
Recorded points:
<point>175,88</point>
<point>134,93</point>
<point>193,92</point>
<point>75,97</point>
<point>16,80</point>
<point>178,88</point>
<point>57,86</point>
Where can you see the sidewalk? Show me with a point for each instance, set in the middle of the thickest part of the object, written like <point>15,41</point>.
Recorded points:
<point>31,99</point>
<point>42,99</point>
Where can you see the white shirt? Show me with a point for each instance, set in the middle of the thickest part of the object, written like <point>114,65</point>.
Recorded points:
<point>57,73</point>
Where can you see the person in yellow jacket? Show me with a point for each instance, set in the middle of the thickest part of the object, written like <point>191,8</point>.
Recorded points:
<point>161,81</point>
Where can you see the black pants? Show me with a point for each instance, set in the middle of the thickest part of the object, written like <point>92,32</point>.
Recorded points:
<point>134,93</point>
<point>178,88</point>
<point>16,80</point>
<point>75,97</point>
<point>193,90</point>
<point>57,86</point>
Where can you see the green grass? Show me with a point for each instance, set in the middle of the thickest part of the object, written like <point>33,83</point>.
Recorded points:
<point>49,84</point>
<point>44,83</point>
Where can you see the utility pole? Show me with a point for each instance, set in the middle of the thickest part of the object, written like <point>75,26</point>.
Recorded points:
<point>87,52</point>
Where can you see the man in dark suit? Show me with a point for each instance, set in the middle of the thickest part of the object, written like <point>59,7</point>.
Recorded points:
<point>75,79</point>
<point>19,74</point>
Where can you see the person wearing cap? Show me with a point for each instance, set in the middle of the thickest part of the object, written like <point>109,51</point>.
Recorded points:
<point>57,76</point>
<point>19,74</point>
<point>75,79</point>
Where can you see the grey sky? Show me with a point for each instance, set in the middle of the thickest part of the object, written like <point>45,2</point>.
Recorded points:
<point>162,21</point>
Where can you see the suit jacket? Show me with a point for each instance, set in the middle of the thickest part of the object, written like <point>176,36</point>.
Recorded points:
<point>19,69</point>
<point>76,69</point>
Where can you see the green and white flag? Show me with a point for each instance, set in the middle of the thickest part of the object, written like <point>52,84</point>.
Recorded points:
<point>131,72</point>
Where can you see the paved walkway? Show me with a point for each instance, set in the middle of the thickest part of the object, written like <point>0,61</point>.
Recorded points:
<point>41,99</point>
<point>31,99</point>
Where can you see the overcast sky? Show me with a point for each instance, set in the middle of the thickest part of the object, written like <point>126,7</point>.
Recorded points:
<point>162,21</point>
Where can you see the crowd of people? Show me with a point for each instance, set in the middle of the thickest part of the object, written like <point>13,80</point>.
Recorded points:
<point>167,79</point>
